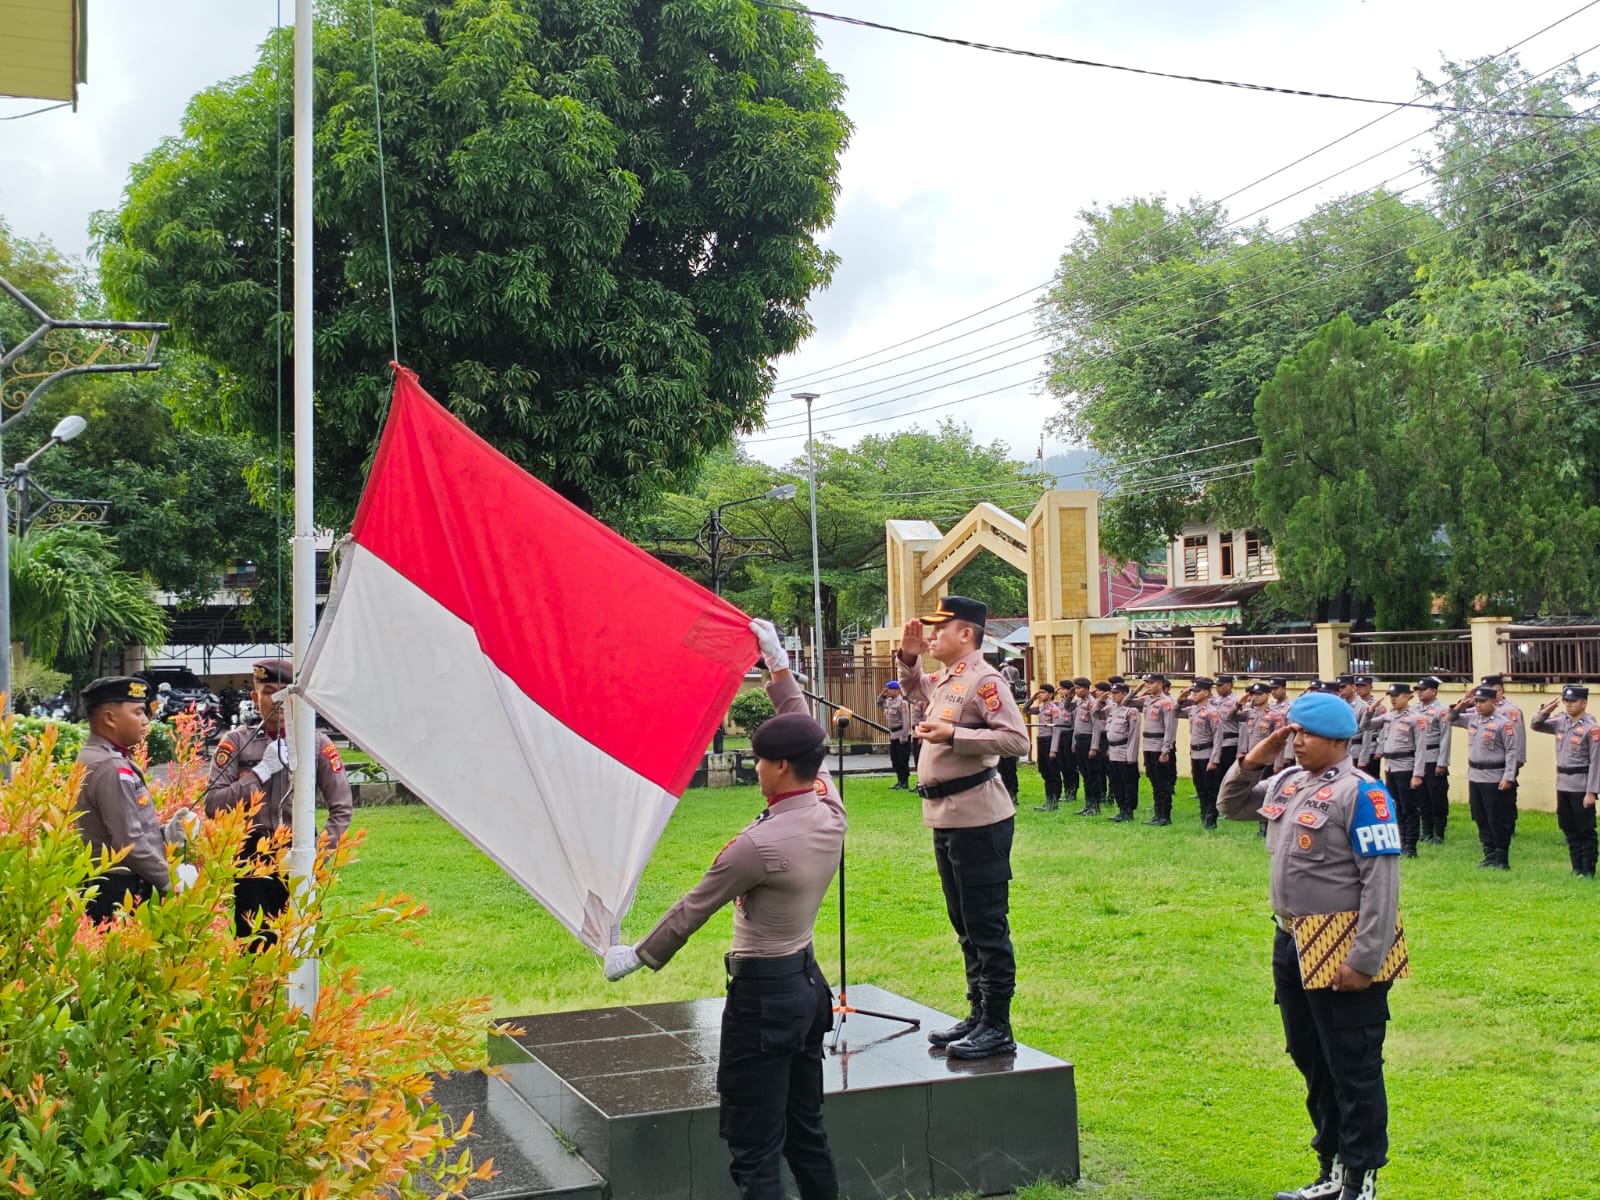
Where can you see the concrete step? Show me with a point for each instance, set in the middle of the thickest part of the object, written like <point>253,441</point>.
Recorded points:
<point>530,1159</point>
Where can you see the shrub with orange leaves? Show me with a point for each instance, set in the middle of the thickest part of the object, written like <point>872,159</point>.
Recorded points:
<point>156,1055</point>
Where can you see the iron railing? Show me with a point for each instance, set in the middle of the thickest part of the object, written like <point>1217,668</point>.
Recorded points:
<point>1291,655</point>
<point>1409,654</point>
<point>1158,655</point>
<point>1551,654</point>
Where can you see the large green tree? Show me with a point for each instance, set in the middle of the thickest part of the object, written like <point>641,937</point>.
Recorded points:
<point>604,221</point>
<point>916,474</point>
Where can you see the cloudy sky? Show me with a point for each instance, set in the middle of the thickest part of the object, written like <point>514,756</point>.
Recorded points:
<point>966,172</point>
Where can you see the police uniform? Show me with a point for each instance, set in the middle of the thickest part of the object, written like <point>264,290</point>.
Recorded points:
<point>971,816</point>
<point>1335,848</point>
<point>1047,735</point>
<point>1160,741</point>
<point>779,1006</point>
<point>1358,750</point>
<point>897,716</point>
<point>1122,722</point>
<point>1370,752</point>
<point>1205,727</point>
<point>234,781</point>
<point>1066,727</point>
<point>1225,747</point>
<point>1435,799</point>
<point>1577,776</point>
<point>1088,748</point>
<point>919,714</point>
<point>1493,750</point>
<point>1400,737</point>
<point>115,811</point>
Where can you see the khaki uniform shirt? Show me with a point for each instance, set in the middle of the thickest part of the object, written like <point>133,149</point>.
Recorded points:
<point>1048,715</point>
<point>1439,726</point>
<point>1509,710</point>
<point>1493,746</point>
<point>1205,727</point>
<point>1255,724</point>
<point>1335,847</point>
<point>1577,750</point>
<point>897,716</point>
<point>1401,738</point>
<point>1228,730</point>
<point>1122,732</point>
<point>1160,722</point>
<point>233,782</point>
<point>971,695</point>
<point>1358,744</point>
<point>776,870</point>
<point>115,812</point>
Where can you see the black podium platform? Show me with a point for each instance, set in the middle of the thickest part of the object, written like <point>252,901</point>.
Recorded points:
<point>634,1091</point>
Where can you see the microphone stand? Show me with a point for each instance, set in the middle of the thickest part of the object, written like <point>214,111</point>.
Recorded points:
<point>844,1007</point>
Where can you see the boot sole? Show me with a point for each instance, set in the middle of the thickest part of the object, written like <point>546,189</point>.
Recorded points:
<point>1003,1048</point>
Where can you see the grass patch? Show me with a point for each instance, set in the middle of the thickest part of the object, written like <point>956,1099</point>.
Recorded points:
<point>1143,957</point>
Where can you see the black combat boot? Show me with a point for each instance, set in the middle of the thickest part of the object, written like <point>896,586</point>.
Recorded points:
<point>1360,1185</point>
<point>1575,855</point>
<point>991,1037</point>
<point>1328,1184</point>
<point>1123,814</point>
<point>1051,803</point>
<point>1589,857</point>
<point>943,1037</point>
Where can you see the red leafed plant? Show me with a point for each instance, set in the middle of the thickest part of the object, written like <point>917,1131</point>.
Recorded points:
<point>156,1055</point>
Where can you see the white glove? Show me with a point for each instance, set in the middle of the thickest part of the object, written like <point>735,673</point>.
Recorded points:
<point>772,651</point>
<point>273,761</point>
<point>185,823</point>
<point>620,961</point>
<point>188,874</point>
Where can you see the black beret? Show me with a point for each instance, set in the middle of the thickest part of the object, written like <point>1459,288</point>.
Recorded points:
<point>1428,681</point>
<point>1116,679</point>
<point>1363,680</point>
<point>1485,692</point>
<point>1494,680</point>
<point>959,608</point>
<point>116,689</point>
<point>1224,678</point>
<point>1083,682</point>
<point>1155,677</point>
<point>1202,683</point>
<point>1399,689</point>
<point>1102,686</point>
<point>1345,681</point>
<point>1119,685</point>
<point>1574,691</point>
<point>1065,684</point>
<point>1317,685</point>
<point>1047,686</point>
<point>274,670</point>
<point>1277,681</point>
<point>1257,689</point>
<point>787,735</point>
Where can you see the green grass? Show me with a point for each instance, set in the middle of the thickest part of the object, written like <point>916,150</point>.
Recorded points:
<point>1142,958</point>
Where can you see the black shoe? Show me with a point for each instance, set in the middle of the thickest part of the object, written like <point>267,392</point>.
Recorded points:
<point>1085,811</point>
<point>1325,1186</point>
<point>1153,821</point>
<point>1486,861</point>
<point>1120,817</point>
<point>1360,1185</point>
<point>944,1037</point>
<point>1163,821</point>
<point>897,787</point>
<point>985,1041</point>
<point>1408,852</point>
<point>1047,806</point>
<point>1208,822</point>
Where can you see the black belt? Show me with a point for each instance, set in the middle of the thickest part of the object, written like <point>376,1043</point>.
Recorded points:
<point>746,967</point>
<point>938,791</point>
<point>1123,742</point>
<point>1572,770</point>
<point>1486,766</point>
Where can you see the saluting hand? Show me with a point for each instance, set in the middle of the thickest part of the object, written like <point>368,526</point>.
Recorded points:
<point>912,643</point>
<point>1264,752</point>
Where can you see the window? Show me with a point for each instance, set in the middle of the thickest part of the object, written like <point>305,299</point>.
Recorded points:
<point>1196,559</point>
<point>1258,560</point>
<point>1226,556</point>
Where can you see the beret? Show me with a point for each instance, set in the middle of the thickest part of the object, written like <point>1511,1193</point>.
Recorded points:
<point>1258,689</point>
<point>1277,681</point>
<point>1485,692</point>
<point>1323,715</point>
<point>115,689</point>
<point>274,670</point>
<point>893,683</point>
<point>1399,689</point>
<point>1202,683</point>
<point>787,735</point>
<point>1428,681</point>
<point>1574,691</point>
<point>1082,682</point>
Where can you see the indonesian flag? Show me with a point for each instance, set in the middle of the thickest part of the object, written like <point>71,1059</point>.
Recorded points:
<point>543,683</point>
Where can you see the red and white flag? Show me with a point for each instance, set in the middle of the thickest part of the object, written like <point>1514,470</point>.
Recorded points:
<point>543,683</point>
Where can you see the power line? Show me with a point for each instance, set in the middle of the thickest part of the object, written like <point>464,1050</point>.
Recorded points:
<point>1089,62</point>
<point>36,111</point>
<point>1217,204</point>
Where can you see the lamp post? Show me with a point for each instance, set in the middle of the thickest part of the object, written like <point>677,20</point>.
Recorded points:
<point>66,429</point>
<point>819,682</point>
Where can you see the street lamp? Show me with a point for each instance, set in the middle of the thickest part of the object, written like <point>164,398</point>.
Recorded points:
<point>66,429</point>
<point>816,568</point>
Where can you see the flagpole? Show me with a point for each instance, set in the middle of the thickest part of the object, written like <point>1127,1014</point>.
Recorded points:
<point>302,854</point>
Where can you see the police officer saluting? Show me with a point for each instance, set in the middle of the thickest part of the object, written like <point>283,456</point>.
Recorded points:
<point>972,721</point>
<point>255,762</point>
<point>1122,723</point>
<point>897,716</point>
<point>1436,781</point>
<point>1335,849</point>
<point>779,1006</point>
<point>1494,744</point>
<point>1160,745</point>
<point>1400,738</point>
<point>115,812</point>
<point>1577,737</point>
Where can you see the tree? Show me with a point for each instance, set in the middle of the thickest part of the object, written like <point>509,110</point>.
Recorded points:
<point>911,475</point>
<point>604,223</point>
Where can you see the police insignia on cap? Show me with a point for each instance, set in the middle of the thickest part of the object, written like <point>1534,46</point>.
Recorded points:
<point>138,691</point>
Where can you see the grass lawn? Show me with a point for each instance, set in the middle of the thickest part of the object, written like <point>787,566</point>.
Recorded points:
<point>1142,958</point>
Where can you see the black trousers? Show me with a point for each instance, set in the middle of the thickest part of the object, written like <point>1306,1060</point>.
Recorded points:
<point>1336,1041</point>
<point>1496,815</point>
<point>769,1078</point>
<point>1049,768</point>
<point>1008,775</point>
<point>900,760</point>
<point>975,873</point>
<point>257,899</point>
<point>1123,778</point>
<point>1435,801</point>
<point>114,888</point>
<point>1091,770</point>
<point>1407,807</point>
<point>1163,778</point>
<point>1578,823</point>
<point>1067,764</point>
<point>1207,784</point>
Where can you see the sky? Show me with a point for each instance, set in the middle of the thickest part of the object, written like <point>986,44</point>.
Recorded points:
<point>966,173</point>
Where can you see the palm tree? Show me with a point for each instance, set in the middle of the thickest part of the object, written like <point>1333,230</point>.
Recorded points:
<point>68,596</point>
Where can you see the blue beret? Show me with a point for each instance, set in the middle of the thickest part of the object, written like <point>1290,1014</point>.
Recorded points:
<point>893,683</point>
<point>1323,715</point>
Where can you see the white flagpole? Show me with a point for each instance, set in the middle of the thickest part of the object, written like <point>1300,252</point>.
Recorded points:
<point>302,856</point>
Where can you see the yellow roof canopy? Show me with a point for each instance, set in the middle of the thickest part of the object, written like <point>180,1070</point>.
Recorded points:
<point>44,49</point>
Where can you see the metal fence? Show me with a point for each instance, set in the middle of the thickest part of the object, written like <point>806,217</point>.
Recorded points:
<point>1551,654</point>
<point>1291,655</point>
<point>1161,655</point>
<point>1409,654</point>
<point>855,681</point>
